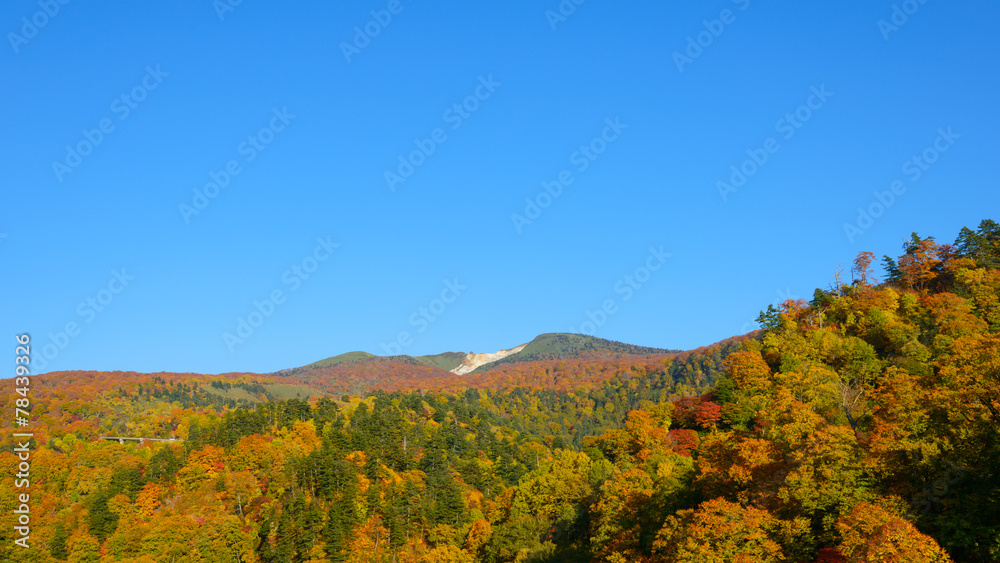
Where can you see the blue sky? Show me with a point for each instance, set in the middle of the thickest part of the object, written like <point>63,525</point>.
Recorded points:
<point>503,98</point>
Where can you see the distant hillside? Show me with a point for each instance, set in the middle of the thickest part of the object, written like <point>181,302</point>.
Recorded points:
<point>342,358</point>
<point>591,361</point>
<point>559,346</point>
<point>446,361</point>
<point>357,372</point>
<point>570,362</point>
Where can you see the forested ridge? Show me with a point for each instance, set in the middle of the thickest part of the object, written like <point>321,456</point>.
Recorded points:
<point>859,426</point>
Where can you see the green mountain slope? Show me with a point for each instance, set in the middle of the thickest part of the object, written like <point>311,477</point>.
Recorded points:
<point>550,346</point>
<point>342,358</point>
<point>446,361</point>
<point>559,345</point>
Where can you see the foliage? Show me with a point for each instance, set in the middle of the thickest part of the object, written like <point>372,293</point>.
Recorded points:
<point>861,426</point>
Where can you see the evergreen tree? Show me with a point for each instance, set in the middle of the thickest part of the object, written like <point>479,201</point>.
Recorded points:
<point>892,273</point>
<point>57,545</point>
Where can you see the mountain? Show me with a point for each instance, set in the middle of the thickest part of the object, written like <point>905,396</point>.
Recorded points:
<point>549,346</point>
<point>550,361</point>
<point>361,372</point>
<point>559,346</point>
<point>557,361</point>
<point>342,358</point>
<point>446,361</point>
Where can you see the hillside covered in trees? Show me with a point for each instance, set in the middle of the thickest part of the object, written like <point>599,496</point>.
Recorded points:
<point>356,372</point>
<point>859,426</point>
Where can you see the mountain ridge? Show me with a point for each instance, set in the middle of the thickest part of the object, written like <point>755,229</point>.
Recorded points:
<point>550,345</point>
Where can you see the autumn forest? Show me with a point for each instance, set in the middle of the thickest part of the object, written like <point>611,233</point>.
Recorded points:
<point>861,425</point>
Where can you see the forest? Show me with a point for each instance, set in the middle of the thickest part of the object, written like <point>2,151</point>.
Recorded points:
<point>862,425</point>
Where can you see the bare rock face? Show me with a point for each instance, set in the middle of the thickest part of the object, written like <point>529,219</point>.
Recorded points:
<point>474,361</point>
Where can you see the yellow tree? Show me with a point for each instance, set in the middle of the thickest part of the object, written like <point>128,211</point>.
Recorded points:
<point>748,370</point>
<point>921,263</point>
<point>621,514</point>
<point>872,534</point>
<point>479,534</point>
<point>720,531</point>
<point>446,554</point>
<point>148,500</point>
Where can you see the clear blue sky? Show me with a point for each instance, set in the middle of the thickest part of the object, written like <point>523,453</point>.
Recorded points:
<point>197,86</point>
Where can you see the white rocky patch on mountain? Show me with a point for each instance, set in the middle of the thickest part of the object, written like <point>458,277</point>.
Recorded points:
<point>474,361</point>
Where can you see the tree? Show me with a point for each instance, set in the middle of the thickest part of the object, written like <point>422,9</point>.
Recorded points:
<point>148,499</point>
<point>748,370</point>
<point>103,521</point>
<point>719,530</point>
<point>58,546</point>
<point>862,266</point>
<point>769,319</point>
<point>83,548</point>
<point>446,554</point>
<point>479,534</point>
<point>871,533</point>
<point>921,263</point>
<point>340,522</point>
<point>707,414</point>
<point>892,273</point>
<point>982,245</point>
<point>164,465</point>
<point>628,512</point>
